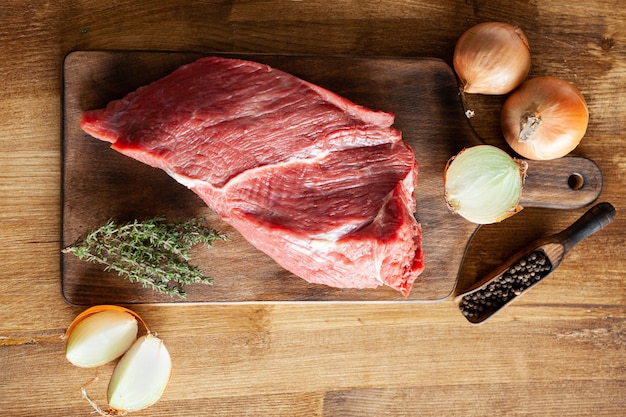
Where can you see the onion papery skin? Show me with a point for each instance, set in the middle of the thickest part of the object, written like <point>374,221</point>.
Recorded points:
<point>483,184</point>
<point>560,110</point>
<point>100,335</point>
<point>492,58</point>
<point>141,376</point>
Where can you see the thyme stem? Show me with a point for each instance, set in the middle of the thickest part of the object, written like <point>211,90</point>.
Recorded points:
<point>152,252</point>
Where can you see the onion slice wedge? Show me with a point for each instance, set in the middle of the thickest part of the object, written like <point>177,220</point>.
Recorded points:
<point>99,335</point>
<point>141,376</point>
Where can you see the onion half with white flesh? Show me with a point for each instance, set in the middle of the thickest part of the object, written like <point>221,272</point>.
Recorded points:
<point>484,184</point>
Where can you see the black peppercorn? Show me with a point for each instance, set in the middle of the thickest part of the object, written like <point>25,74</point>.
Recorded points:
<point>528,271</point>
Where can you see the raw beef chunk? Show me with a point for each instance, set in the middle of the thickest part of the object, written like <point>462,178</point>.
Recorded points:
<point>320,184</point>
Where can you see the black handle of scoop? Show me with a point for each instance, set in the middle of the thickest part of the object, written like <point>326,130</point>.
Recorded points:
<point>595,219</point>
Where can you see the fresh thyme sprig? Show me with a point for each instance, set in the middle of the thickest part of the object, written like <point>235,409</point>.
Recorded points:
<point>153,252</point>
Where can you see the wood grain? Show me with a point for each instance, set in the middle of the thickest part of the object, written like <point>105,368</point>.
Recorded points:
<point>99,184</point>
<point>559,351</point>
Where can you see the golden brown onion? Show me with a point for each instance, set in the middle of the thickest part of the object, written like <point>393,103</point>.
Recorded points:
<point>545,118</point>
<point>492,58</point>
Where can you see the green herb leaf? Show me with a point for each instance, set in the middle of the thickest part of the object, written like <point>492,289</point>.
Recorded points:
<point>153,252</point>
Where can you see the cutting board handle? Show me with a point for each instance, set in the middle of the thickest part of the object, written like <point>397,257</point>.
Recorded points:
<point>566,183</point>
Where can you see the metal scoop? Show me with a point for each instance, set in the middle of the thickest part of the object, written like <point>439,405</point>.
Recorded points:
<point>529,266</point>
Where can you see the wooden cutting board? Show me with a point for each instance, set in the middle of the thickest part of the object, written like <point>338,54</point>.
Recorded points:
<point>98,183</point>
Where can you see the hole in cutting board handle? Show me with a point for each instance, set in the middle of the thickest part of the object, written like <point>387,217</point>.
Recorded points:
<point>576,181</point>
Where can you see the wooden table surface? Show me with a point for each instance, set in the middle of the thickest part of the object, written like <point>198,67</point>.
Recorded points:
<point>558,351</point>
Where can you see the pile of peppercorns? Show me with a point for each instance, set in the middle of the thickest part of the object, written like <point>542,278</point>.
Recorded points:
<point>526,272</point>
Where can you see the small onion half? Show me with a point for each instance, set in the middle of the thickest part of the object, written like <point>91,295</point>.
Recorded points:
<point>484,184</point>
<point>99,335</point>
<point>141,376</point>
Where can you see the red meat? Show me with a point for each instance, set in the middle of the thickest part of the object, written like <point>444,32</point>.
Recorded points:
<point>323,186</point>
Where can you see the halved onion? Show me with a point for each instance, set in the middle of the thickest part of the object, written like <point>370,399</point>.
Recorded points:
<point>99,335</point>
<point>484,184</point>
<point>103,333</point>
<point>141,376</point>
